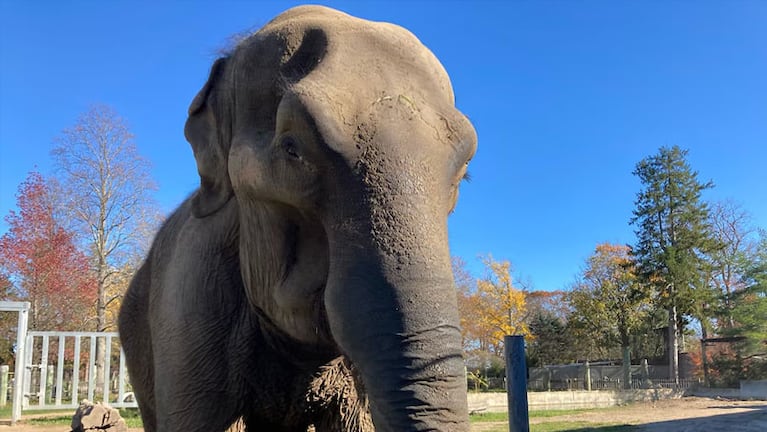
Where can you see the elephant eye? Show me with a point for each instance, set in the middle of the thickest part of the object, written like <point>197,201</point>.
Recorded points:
<point>291,147</point>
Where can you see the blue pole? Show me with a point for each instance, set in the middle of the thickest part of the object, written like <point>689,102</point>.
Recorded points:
<point>516,383</point>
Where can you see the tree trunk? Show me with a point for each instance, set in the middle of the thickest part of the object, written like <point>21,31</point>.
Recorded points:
<point>703,353</point>
<point>673,346</point>
<point>100,327</point>
<point>626,351</point>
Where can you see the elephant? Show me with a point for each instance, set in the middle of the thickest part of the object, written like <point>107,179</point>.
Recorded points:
<point>307,282</point>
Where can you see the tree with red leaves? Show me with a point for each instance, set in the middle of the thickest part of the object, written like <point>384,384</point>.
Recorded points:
<point>42,262</point>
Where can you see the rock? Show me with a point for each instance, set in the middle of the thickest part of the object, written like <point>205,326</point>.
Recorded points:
<point>97,417</point>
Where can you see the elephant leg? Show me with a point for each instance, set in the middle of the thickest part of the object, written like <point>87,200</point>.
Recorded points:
<point>134,327</point>
<point>195,392</point>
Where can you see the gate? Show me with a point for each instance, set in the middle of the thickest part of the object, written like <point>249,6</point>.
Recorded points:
<point>61,370</point>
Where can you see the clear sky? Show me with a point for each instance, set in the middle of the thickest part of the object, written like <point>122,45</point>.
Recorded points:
<point>566,98</point>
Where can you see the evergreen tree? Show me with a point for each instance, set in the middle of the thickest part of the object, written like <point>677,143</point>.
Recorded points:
<point>549,342</point>
<point>672,237</point>
<point>750,305</point>
<point>747,357</point>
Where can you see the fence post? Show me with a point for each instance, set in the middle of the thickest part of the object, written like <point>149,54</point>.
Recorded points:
<point>60,371</point>
<point>588,376</point>
<point>4,369</point>
<point>516,383</point>
<point>49,384</point>
<point>76,372</point>
<point>19,377</point>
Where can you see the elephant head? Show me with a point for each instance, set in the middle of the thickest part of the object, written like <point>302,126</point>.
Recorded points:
<point>340,140</point>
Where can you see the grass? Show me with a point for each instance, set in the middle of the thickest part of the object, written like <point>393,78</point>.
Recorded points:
<point>52,420</point>
<point>554,426</point>
<point>557,413</point>
<point>489,417</point>
<point>567,426</point>
<point>131,417</point>
<point>574,426</point>
<point>5,413</point>
<point>502,416</point>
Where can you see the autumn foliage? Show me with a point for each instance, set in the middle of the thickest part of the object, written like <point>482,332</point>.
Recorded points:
<point>491,308</point>
<point>42,262</point>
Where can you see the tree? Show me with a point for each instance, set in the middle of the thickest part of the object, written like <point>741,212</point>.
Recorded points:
<point>732,230</point>
<point>728,265</point>
<point>490,307</point>
<point>609,301</point>
<point>552,303</point>
<point>750,304</point>
<point>649,341</point>
<point>672,237</point>
<point>500,306</point>
<point>107,185</point>
<point>39,258</point>
<point>465,285</point>
<point>549,344</point>
<point>7,291</point>
<point>745,357</point>
<point>8,322</point>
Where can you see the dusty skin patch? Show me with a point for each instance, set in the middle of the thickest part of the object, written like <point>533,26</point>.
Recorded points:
<point>680,415</point>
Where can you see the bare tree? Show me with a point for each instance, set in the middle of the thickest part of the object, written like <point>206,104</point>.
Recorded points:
<point>734,233</point>
<point>106,185</point>
<point>732,228</point>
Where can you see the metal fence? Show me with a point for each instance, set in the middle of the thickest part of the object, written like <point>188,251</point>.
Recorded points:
<point>587,376</point>
<point>617,384</point>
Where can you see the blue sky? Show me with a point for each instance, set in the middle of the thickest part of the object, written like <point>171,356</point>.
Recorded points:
<point>566,97</point>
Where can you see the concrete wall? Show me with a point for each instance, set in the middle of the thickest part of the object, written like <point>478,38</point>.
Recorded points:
<point>556,400</point>
<point>729,393</point>
<point>497,402</point>
<point>753,389</point>
<point>748,390</point>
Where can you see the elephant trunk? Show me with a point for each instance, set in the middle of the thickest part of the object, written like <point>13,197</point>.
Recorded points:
<point>393,311</point>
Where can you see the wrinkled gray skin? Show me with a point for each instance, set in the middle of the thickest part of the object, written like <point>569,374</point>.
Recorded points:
<point>330,151</point>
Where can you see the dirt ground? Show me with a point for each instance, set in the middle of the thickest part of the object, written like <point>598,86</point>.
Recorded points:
<point>690,414</point>
<point>681,415</point>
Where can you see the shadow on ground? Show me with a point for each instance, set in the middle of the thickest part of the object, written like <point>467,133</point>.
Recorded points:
<point>752,419</point>
<point>614,428</point>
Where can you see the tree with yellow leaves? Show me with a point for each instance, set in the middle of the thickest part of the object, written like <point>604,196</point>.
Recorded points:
<point>493,308</point>
<point>608,302</point>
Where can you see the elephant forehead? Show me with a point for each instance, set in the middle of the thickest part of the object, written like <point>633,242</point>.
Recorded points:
<point>363,55</point>
<point>396,122</point>
<point>360,80</point>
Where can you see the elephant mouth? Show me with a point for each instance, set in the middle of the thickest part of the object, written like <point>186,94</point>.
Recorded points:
<point>299,306</point>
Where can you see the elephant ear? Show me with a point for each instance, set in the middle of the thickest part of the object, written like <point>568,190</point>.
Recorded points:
<point>203,131</point>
